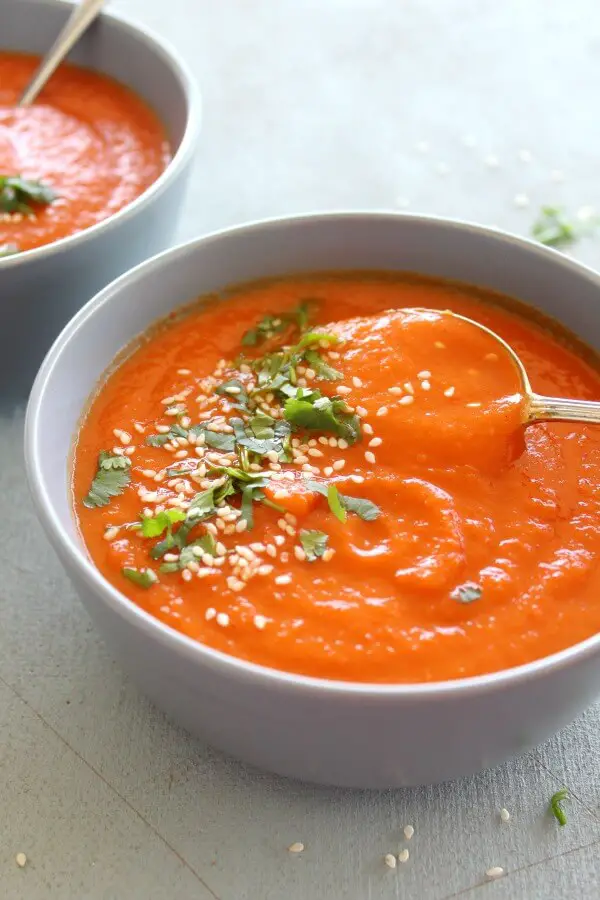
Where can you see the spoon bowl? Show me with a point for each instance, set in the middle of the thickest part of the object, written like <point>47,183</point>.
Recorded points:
<point>539,408</point>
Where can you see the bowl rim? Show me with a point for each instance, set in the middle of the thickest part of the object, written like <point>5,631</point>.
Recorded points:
<point>193,122</point>
<point>73,554</point>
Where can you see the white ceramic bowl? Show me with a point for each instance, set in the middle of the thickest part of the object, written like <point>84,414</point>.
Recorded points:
<point>323,731</point>
<point>40,289</point>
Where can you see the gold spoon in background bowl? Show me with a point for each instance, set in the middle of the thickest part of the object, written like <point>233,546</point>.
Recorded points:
<point>80,19</point>
<point>538,408</point>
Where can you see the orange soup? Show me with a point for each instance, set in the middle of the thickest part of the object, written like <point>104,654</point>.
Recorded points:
<point>85,149</point>
<point>328,476</point>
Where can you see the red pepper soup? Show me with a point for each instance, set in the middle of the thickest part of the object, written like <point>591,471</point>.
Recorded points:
<point>88,147</point>
<point>326,475</point>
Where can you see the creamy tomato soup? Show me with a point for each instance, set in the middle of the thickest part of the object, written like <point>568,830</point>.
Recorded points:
<point>327,476</point>
<point>86,148</point>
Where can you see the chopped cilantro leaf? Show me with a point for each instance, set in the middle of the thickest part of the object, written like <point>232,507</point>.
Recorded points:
<point>206,543</point>
<point>554,229</point>
<point>262,426</point>
<point>323,414</point>
<point>322,369</point>
<point>216,440</point>
<point>271,325</point>
<point>556,806</point>
<point>19,195</point>
<point>314,543</point>
<point>111,479</point>
<point>238,398</point>
<point>365,509</point>
<point>159,440</point>
<point>335,504</point>
<point>144,578</point>
<point>153,526</point>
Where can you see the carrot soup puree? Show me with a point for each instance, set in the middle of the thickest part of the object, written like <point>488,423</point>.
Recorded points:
<point>88,147</point>
<point>326,475</point>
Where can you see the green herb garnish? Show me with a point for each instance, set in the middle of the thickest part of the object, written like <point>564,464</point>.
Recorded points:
<point>111,478</point>
<point>322,369</point>
<point>18,195</point>
<point>237,400</point>
<point>159,440</point>
<point>554,229</point>
<point>144,578</point>
<point>556,806</point>
<point>325,414</point>
<point>154,526</point>
<point>467,592</point>
<point>364,509</point>
<point>314,543</point>
<point>269,326</point>
<point>335,503</point>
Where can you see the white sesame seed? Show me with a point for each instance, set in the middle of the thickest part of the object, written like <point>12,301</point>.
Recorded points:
<point>260,622</point>
<point>407,400</point>
<point>283,579</point>
<point>328,470</point>
<point>299,553</point>
<point>390,860</point>
<point>403,855</point>
<point>241,526</point>
<point>162,429</point>
<point>495,872</point>
<point>296,847</point>
<point>370,457</point>
<point>139,428</point>
<point>344,390</point>
<point>279,540</point>
<point>382,411</point>
<point>426,386</point>
<point>223,618</point>
<point>375,442</point>
<point>424,374</point>
<point>408,387</point>
<point>339,464</point>
<point>265,569</point>
<point>491,357</point>
<point>361,411</point>
<point>357,479</point>
<point>328,554</point>
<point>449,392</point>
<point>186,575</point>
<point>356,381</point>
<point>408,832</point>
<point>474,405</point>
<point>124,437</point>
<point>397,391</point>
<point>312,451</point>
<point>232,389</point>
<point>20,860</point>
<point>504,814</point>
<point>181,454</point>
<point>368,429</point>
<point>184,371</point>
<point>439,345</point>
<point>342,444</point>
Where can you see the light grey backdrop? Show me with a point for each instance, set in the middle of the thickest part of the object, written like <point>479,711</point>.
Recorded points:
<point>308,105</point>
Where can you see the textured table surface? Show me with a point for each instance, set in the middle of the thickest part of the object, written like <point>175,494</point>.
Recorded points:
<point>308,105</point>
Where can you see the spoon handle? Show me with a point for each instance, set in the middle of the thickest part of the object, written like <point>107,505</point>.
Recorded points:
<point>555,409</point>
<point>82,16</point>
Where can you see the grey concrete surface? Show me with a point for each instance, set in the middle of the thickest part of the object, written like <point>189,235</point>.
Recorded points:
<point>308,105</point>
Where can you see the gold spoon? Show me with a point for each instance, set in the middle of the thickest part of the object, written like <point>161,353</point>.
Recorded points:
<point>539,408</point>
<point>82,16</point>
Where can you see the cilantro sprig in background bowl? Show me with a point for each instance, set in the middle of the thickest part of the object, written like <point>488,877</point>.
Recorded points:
<point>353,734</point>
<point>40,289</point>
